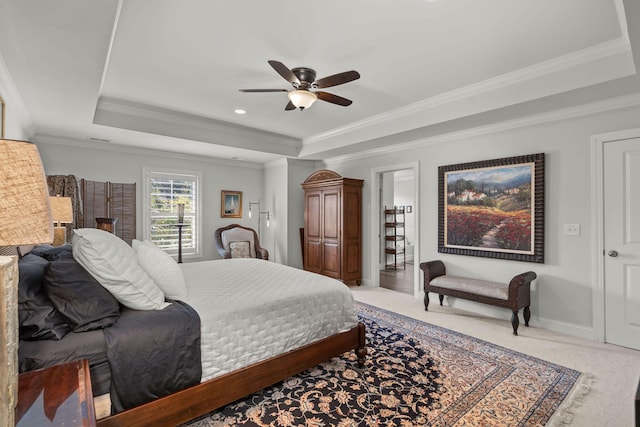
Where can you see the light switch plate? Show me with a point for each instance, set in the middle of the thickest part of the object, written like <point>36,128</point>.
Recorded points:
<point>572,229</point>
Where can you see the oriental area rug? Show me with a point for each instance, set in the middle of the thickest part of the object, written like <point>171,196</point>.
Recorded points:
<point>416,374</point>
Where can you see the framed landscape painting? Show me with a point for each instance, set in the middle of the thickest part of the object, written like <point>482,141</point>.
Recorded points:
<point>493,208</point>
<point>231,204</point>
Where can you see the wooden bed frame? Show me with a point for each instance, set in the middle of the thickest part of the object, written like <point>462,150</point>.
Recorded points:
<point>205,397</point>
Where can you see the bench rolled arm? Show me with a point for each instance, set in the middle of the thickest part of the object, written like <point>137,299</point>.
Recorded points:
<point>520,290</point>
<point>522,279</point>
<point>432,269</point>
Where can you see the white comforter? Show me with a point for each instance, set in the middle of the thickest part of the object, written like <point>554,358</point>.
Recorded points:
<point>252,309</point>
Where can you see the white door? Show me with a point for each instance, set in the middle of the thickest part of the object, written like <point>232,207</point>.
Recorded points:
<point>622,242</point>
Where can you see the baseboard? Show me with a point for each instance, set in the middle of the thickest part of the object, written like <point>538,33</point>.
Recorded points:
<point>500,313</point>
<point>568,329</point>
<point>366,283</point>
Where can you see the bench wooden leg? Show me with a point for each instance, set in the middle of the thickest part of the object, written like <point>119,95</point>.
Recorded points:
<point>441,298</point>
<point>515,322</point>
<point>527,315</point>
<point>426,301</point>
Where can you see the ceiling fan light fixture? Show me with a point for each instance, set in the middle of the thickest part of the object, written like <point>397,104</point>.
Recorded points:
<point>302,98</point>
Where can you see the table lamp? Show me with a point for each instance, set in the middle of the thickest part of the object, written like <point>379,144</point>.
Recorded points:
<point>61,213</point>
<point>25,219</point>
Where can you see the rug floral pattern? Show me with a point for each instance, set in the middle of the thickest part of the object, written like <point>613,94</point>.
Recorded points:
<point>416,374</point>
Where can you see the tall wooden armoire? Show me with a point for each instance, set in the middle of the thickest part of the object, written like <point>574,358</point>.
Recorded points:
<point>333,226</point>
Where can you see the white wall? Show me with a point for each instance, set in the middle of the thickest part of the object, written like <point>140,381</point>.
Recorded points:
<point>388,191</point>
<point>404,195</point>
<point>275,239</point>
<point>298,171</point>
<point>404,191</point>
<point>282,188</point>
<point>562,295</point>
<point>12,126</point>
<point>117,164</point>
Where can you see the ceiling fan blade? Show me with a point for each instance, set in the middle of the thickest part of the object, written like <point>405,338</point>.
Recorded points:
<point>337,79</point>
<point>286,73</point>
<point>263,90</point>
<point>334,99</point>
<point>290,106</point>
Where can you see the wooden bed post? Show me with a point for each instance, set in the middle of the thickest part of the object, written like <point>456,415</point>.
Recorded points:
<point>361,350</point>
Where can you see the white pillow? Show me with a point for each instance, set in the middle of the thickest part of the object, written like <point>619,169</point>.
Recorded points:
<point>162,268</point>
<point>135,243</point>
<point>115,266</point>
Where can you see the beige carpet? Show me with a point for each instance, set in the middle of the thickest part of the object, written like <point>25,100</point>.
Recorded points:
<point>614,370</point>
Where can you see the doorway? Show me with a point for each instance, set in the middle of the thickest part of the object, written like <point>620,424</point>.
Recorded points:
<point>617,194</point>
<point>394,228</point>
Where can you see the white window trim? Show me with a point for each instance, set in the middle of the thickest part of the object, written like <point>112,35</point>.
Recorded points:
<point>146,217</point>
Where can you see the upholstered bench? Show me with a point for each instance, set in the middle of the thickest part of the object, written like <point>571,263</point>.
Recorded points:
<point>514,295</point>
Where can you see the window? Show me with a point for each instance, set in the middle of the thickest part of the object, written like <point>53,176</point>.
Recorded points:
<point>164,190</point>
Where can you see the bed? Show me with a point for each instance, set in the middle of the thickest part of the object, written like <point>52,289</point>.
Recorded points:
<point>258,323</point>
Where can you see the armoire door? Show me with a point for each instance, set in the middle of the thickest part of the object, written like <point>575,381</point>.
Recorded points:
<point>331,230</point>
<point>313,231</point>
<point>352,233</point>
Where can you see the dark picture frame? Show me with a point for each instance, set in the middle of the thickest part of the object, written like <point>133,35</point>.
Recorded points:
<point>231,204</point>
<point>493,208</point>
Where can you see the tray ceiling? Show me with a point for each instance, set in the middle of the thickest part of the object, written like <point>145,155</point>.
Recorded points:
<point>166,74</point>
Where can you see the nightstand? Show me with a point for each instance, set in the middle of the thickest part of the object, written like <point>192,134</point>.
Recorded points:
<point>56,396</point>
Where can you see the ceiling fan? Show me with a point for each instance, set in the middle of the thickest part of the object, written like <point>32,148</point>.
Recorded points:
<point>303,79</point>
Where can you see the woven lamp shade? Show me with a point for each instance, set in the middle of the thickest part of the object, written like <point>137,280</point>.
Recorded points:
<point>25,215</point>
<point>61,209</point>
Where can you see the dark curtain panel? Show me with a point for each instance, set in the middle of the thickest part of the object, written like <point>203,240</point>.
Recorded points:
<point>68,186</point>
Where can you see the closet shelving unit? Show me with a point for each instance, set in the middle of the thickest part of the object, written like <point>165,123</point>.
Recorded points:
<point>394,238</point>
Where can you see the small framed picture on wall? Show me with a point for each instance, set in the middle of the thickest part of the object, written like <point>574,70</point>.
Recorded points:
<point>231,204</point>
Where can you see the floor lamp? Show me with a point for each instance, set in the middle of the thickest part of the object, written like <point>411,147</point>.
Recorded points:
<point>25,219</point>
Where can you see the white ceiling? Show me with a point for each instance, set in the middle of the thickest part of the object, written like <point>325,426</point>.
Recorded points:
<point>165,74</point>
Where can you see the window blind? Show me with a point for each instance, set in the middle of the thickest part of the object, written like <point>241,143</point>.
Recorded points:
<point>165,190</point>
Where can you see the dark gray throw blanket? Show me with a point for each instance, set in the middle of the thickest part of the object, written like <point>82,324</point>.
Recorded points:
<point>153,353</point>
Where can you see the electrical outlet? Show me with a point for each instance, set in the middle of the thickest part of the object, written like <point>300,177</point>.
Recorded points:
<point>572,229</point>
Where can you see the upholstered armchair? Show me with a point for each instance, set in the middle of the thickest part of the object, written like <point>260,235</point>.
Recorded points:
<point>236,241</point>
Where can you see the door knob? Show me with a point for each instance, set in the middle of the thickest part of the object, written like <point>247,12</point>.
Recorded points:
<point>612,253</point>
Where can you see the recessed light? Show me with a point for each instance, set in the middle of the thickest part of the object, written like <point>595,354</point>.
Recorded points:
<point>239,111</point>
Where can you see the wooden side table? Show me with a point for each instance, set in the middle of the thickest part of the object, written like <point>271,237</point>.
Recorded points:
<point>56,396</point>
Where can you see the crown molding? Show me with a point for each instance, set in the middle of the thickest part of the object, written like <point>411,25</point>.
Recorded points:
<point>609,59</point>
<point>114,147</point>
<point>611,104</point>
<point>130,115</point>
